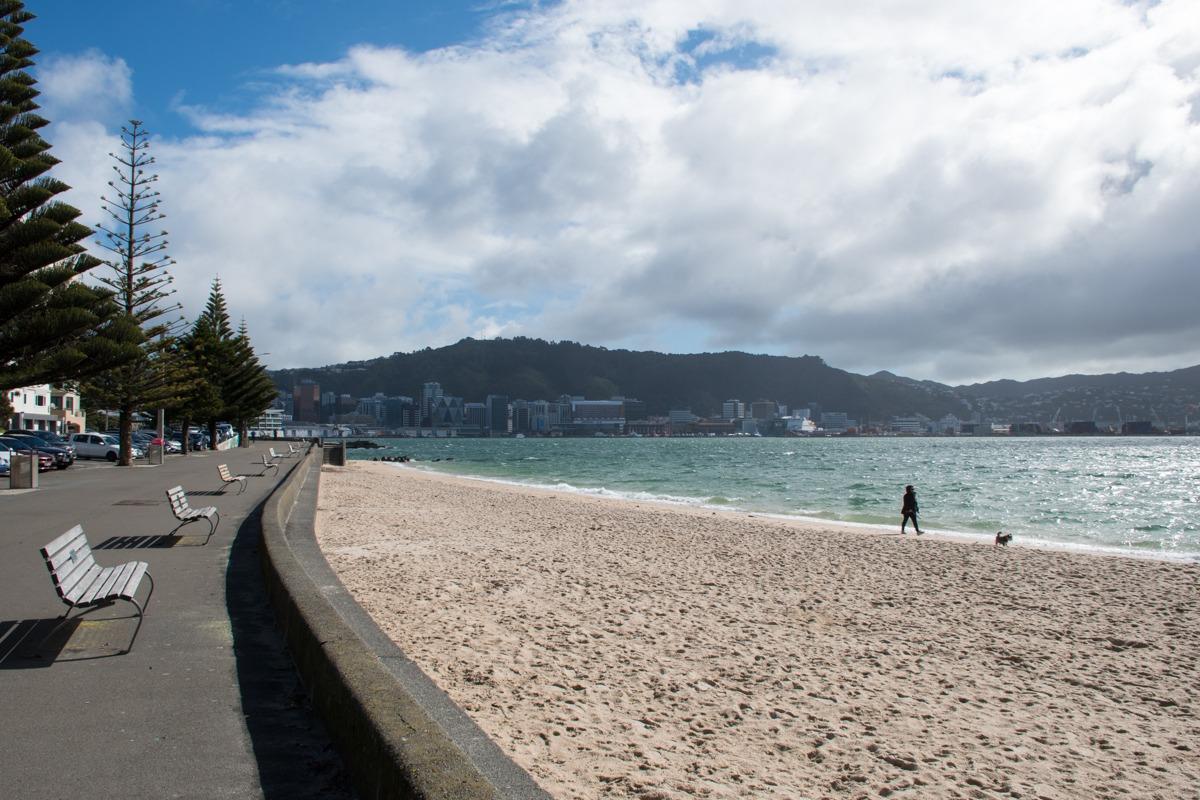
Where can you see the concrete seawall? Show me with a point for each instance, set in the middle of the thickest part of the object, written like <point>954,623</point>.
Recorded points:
<point>400,736</point>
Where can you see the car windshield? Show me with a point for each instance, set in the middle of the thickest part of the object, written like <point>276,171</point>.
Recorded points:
<point>111,440</point>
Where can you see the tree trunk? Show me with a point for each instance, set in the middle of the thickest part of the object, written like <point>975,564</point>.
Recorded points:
<point>185,440</point>
<point>125,427</point>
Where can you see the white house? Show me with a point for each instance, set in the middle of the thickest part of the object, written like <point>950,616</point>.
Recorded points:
<point>32,409</point>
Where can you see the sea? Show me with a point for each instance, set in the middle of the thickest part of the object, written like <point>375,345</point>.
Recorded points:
<point>1121,495</point>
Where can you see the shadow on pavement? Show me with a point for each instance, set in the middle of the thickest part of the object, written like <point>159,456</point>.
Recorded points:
<point>295,757</point>
<point>27,643</point>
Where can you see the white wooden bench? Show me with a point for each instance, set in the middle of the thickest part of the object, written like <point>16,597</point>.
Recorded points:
<point>275,456</point>
<point>82,583</point>
<point>267,464</point>
<point>228,478</point>
<point>184,512</point>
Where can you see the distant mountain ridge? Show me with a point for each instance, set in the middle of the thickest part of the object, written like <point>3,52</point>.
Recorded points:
<point>533,369</point>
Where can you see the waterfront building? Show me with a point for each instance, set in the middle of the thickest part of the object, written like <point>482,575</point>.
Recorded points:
<point>733,409</point>
<point>949,424</point>
<point>520,416</point>
<point>431,391</point>
<point>539,416</point>
<point>764,409</point>
<point>681,421</point>
<point>474,418</point>
<point>916,423</point>
<point>634,408</point>
<point>447,412</point>
<point>306,401</point>
<point>496,420</point>
<point>374,407</point>
<point>651,426</point>
<point>589,417</point>
<point>401,412</point>
<point>836,421</point>
<point>270,423</point>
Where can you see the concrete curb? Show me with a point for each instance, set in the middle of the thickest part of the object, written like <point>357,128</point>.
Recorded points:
<point>400,736</point>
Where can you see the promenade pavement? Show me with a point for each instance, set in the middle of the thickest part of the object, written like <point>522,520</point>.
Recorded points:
<point>207,703</point>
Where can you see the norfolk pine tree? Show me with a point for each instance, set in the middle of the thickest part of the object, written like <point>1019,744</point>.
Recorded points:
<point>53,327</point>
<point>240,383</point>
<point>159,376</point>
<point>251,390</point>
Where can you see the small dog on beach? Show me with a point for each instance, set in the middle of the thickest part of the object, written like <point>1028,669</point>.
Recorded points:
<point>1003,538</point>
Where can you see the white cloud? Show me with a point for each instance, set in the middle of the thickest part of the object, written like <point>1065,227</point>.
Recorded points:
<point>88,86</point>
<point>954,190</point>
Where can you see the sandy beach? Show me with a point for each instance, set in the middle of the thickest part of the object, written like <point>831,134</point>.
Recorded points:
<point>622,649</point>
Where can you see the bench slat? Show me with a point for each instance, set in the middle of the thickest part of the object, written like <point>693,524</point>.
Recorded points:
<point>115,583</point>
<point>60,542</point>
<point>79,587</point>
<point>71,558</point>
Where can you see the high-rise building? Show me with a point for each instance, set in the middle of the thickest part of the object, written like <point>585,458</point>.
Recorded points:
<point>733,409</point>
<point>474,417</point>
<point>496,420</point>
<point>447,412</point>
<point>520,416</point>
<point>306,401</point>
<point>764,409</point>
<point>431,392</point>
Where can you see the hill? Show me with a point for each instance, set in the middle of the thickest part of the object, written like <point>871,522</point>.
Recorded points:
<point>536,369</point>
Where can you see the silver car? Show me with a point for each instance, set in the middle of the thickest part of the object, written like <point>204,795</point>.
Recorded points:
<point>100,445</point>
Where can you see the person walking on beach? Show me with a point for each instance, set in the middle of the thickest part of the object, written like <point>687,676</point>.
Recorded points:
<point>908,509</point>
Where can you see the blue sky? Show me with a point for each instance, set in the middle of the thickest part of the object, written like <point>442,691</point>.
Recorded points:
<point>217,53</point>
<point>957,190</point>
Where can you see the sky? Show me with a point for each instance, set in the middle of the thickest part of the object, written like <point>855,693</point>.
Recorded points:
<point>953,190</point>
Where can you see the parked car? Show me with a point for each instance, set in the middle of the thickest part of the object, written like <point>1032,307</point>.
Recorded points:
<point>90,444</point>
<point>45,460</point>
<point>49,437</point>
<point>5,458</point>
<point>64,456</point>
<point>170,445</point>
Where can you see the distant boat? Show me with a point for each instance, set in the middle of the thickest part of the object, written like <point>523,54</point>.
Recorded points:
<point>519,436</point>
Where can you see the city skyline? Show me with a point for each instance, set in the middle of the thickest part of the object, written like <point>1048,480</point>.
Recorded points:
<point>953,193</point>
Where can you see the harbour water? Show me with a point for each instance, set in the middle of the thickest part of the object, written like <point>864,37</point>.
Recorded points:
<point>1135,495</point>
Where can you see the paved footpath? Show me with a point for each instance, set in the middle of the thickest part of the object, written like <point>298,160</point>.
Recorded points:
<point>207,703</point>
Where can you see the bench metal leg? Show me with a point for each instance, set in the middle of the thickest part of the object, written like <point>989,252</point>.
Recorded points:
<point>212,528</point>
<point>141,608</point>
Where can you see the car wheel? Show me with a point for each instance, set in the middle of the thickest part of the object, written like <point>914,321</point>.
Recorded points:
<point>111,456</point>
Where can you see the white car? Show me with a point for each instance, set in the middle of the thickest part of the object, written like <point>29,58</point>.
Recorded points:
<point>100,445</point>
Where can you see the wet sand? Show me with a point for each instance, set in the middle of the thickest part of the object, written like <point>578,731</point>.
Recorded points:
<point>621,649</point>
